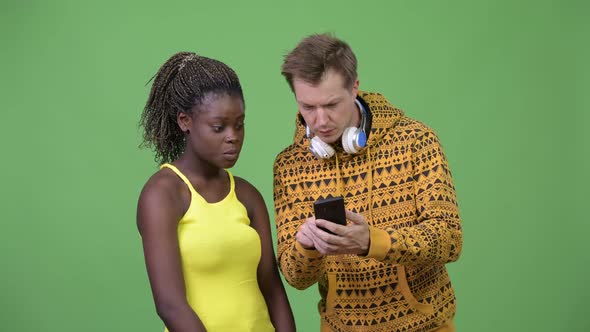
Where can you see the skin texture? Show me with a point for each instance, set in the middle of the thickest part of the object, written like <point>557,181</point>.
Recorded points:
<point>214,135</point>
<point>328,108</point>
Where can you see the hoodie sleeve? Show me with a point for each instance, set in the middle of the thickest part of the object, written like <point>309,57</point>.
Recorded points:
<point>437,236</point>
<point>301,267</point>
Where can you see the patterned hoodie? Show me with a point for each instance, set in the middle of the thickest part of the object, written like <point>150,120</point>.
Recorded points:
<point>401,183</point>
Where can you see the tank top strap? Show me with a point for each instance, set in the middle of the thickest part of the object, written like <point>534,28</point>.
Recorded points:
<point>232,185</point>
<point>182,177</point>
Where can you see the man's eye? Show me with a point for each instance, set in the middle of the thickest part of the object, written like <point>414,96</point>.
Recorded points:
<point>217,129</point>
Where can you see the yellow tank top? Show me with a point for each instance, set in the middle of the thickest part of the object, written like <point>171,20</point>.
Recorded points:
<point>220,253</point>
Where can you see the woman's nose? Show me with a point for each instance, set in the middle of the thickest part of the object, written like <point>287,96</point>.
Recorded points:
<point>232,137</point>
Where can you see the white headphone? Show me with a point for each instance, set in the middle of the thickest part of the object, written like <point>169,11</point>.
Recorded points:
<point>353,139</point>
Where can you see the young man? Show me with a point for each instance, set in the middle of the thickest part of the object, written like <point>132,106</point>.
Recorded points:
<point>385,270</point>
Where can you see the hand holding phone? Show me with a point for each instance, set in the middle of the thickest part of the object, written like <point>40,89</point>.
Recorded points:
<point>330,209</point>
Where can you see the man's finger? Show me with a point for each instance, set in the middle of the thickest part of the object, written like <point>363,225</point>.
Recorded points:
<point>355,218</point>
<point>330,238</point>
<point>332,227</point>
<point>305,242</point>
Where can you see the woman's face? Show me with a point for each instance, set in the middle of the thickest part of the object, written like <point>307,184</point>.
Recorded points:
<point>216,130</point>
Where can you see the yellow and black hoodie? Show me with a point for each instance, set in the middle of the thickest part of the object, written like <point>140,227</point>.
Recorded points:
<point>402,185</point>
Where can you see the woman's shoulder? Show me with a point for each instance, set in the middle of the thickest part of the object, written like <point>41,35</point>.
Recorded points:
<point>247,193</point>
<point>162,202</point>
<point>163,186</point>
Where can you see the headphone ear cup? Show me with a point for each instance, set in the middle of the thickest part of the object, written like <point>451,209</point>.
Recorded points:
<point>361,139</point>
<point>320,149</point>
<point>349,138</point>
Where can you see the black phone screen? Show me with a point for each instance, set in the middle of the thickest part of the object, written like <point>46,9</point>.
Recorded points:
<point>330,209</point>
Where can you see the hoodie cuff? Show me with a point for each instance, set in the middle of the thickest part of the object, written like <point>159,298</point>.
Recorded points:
<point>380,243</point>
<point>309,253</point>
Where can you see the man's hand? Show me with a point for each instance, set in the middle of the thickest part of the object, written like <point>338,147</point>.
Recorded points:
<point>304,235</point>
<point>350,239</point>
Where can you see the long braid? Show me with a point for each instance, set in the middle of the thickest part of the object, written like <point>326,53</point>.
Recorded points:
<point>182,83</point>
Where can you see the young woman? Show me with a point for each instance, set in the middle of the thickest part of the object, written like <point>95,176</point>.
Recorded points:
<point>205,233</point>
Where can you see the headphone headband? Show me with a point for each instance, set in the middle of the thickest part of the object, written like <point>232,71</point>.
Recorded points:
<point>363,115</point>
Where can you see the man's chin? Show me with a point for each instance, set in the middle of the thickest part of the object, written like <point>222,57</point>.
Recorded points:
<point>330,139</point>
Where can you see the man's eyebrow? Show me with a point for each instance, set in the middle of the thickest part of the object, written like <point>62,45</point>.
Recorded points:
<point>328,102</point>
<point>333,101</point>
<point>303,103</point>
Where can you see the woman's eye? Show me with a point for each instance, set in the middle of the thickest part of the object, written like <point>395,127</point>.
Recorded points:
<point>217,129</point>
<point>240,125</point>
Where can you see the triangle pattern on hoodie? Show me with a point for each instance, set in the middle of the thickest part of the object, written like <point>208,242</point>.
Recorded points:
<point>401,183</point>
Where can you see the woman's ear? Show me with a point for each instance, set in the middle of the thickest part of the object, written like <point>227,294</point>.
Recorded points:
<point>185,121</point>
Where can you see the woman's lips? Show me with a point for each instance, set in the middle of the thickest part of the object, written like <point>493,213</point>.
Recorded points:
<point>231,154</point>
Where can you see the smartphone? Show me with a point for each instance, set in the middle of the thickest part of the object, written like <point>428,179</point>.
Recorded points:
<point>330,209</point>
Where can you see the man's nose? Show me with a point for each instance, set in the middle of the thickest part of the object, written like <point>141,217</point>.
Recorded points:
<point>322,117</point>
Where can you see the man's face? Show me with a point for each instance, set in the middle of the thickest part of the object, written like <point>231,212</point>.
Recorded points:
<point>327,107</point>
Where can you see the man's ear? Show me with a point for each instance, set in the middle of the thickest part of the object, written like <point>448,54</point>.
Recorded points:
<point>185,121</point>
<point>355,88</point>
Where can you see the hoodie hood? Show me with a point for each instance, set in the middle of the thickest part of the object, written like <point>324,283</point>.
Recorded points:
<point>381,116</point>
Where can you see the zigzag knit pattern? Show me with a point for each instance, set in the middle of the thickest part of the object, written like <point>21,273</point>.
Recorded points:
<point>412,198</point>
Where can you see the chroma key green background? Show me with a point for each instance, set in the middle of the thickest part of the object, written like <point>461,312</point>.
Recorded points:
<point>505,84</point>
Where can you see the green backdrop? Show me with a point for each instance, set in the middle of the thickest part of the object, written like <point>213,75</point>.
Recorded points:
<point>504,83</point>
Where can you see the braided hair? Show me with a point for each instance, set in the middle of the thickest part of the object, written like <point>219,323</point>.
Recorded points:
<point>182,83</point>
